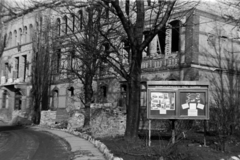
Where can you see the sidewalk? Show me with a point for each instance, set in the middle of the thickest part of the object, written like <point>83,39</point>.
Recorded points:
<point>81,148</point>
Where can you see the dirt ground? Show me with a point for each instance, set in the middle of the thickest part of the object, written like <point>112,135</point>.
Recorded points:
<point>187,147</point>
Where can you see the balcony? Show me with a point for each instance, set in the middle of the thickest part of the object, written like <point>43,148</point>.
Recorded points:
<point>159,63</point>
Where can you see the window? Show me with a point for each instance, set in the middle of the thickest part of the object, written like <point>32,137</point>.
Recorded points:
<point>6,70</point>
<point>65,24</point>
<point>123,98</point>
<point>25,34</point>
<point>73,23</point>
<point>30,32</point>
<point>149,2</point>
<point>103,91</point>
<point>58,62</point>
<point>58,26</point>
<point>5,41</point>
<point>10,40</point>
<point>80,19</point>
<point>15,38</point>
<point>20,36</point>
<point>4,99</point>
<point>25,67</point>
<point>127,7</point>
<point>146,34</point>
<point>17,67</point>
<point>175,35</point>
<point>55,96</point>
<point>71,60</point>
<point>161,41</point>
<point>18,100</point>
<point>71,91</point>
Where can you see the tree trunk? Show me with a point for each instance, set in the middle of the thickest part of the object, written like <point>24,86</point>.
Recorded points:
<point>88,95</point>
<point>134,89</point>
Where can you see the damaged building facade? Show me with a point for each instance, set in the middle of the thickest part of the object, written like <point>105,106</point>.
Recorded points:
<point>194,46</point>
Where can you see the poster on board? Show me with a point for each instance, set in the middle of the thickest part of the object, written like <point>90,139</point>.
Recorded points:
<point>162,101</point>
<point>192,104</point>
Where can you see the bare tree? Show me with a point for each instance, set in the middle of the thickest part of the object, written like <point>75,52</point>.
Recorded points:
<point>222,60</point>
<point>41,74</point>
<point>136,23</point>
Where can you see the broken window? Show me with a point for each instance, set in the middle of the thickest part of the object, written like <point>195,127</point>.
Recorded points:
<point>161,41</point>
<point>175,25</point>
<point>147,49</point>
<point>71,91</point>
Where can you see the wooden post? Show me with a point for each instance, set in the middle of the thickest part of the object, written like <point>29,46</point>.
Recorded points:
<point>205,132</point>
<point>149,133</point>
<point>173,131</point>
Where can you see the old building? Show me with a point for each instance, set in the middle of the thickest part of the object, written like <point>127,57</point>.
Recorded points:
<point>194,46</point>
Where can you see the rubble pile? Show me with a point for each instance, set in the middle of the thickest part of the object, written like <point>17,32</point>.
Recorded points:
<point>76,121</point>
<point>107,122</point>
<point>48,117</point>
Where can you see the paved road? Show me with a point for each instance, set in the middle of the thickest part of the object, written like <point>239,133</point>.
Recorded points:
<point>18,143</point>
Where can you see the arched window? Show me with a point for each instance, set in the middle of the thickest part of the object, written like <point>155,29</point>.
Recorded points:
<point>55,96</point>
<point>80,12</point>
<point>70,91</point>
<point>30,36</point>
<point>15,38</point>
<point>20,36</point>
<point>73,23</point>
<point>25,34</point>
<point>10,40</point>
<point>58,26</point>
<point>175,25</point>
<point>65,24</point>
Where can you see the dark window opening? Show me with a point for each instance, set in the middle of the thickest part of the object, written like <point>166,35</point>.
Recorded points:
<point>103,91</point>
<point>65,24</point>
<point>146,35</point>
<point>6,71</point>
<point>175,35</point>
<point>5,41</point>
<point>80,19</point>
<point>58,60</point>
<point>162,41</point>
<point>71,91</point>
<point>106,47</point>
<point>123,98</point>
<point>17,66</point>
<point>25,67</point>
<point>73,23</point>
<point>4,99</point>
<point>18,100</point>
<point>149,2</point>
<point>127,7</point>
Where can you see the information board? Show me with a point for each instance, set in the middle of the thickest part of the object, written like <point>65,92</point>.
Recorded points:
<point>178,101</point>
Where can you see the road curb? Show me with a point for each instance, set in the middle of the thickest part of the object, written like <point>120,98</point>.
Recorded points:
<point>98,144</point>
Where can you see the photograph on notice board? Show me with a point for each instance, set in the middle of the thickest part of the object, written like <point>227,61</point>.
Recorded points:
<point>162,101</point>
